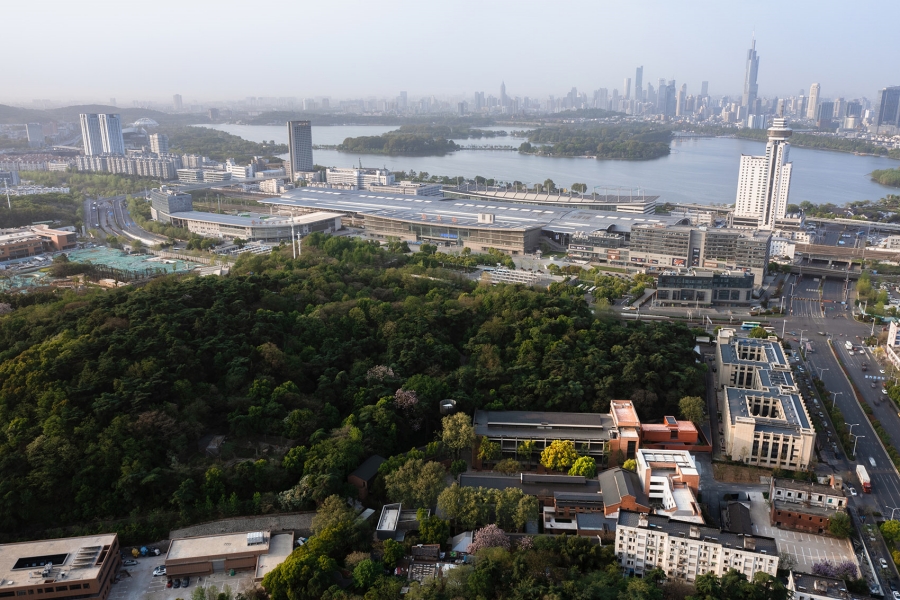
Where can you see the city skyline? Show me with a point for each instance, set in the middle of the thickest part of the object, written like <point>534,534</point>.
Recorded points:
<point>673,46</point>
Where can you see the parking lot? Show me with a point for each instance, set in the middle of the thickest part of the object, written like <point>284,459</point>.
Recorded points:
<point>141,585</point>
<point>806,549</point>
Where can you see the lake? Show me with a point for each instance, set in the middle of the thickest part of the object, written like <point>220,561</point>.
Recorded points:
<point>699,170</point>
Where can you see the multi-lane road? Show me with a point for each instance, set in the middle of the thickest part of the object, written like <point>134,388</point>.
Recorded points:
<point>817,315</point>
<point>111,216</point>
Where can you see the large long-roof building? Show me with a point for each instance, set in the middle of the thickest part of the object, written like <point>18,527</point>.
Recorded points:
<point>765,420</point>
<point>515,228</point>
<point>614,237</point>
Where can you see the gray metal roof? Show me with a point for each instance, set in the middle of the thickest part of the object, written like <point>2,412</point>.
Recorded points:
<point>369,468</point>
<point>544,425</point>
<point>617,483</point>
<point>538,488</point>
<point>507,215</point>
<point>253,219</point>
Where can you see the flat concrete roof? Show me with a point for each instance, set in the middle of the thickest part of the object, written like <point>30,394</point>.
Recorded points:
<point>76,557</point>
<point>507,215</point>
<point>214,545</point>
<point>280,547</point>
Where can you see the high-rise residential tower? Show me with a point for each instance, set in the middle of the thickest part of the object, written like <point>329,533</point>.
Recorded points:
<point>887,107</point>
<point>300,146</point>
<point>503,98</point>
<point>111,134</point>
<point>90,134</point>
<point>627,88</point>
<point>639,84</point>
<point>159,143</point>
<point>748,101</point>
<point>764,182</point>
<point>813,101</point>
<point>35,135</point>
<point>176,101</point>
<point>704,89</point>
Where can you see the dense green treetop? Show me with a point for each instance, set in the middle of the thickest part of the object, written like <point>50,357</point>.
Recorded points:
<point>104,395</point>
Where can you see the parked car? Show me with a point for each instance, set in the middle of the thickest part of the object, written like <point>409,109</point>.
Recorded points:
<point>852,490</point>
<point>169,583</point>
<point>129,563</point>
<point>185,582</point>
<point>883,563</point>
<point>884,391</point>
<point>160,570</point>
<point>176,583</point>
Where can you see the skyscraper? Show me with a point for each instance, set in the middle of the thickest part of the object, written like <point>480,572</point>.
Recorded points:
<point>813,101</point>
<point>176,101</point>
<point>748,101</point>
<point>503,97</point>
<point>35,135</point>
<point>300,146</point>
<point>639,84</point>
<point>764,182</point>
<point>704,88</point>
<point>90,134</point>
<point>680,100</point>
<point>111,134</point>
<point>159,143</point>
<point>627,88</point>
<point>887,107</point>
<point>403,101</point>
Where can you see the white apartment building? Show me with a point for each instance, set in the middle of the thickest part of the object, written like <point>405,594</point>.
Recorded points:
<point>111,134</point>
<point>764,182</point>
<point>358,179</point>
<point>765,420</point>
<point>240,171</point>
<point>408,188</point>
<point>159,143</point>
<point>686,551</point>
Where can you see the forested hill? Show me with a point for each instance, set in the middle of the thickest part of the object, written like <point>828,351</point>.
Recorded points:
<point>105,395</point>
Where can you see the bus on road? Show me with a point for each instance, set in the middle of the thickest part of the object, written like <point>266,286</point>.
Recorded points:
<point>748,325</point>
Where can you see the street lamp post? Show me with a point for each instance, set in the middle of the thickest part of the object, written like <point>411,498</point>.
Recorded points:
<point>892,509</point>
<point>834,401</point>
<point>801,335</point>
<point>821,370</point>
<point>851,428</point>
<point>856,439</point>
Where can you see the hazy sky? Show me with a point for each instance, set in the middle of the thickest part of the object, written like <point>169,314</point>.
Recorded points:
<point>229,49</point>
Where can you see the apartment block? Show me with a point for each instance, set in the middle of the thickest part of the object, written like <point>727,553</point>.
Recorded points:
<point>686,551</point>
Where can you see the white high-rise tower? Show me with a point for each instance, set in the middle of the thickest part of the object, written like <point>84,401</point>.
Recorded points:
<point>764,182</point>
<point>90,134</point>
<point>111,134</point>
<point>814,90</point>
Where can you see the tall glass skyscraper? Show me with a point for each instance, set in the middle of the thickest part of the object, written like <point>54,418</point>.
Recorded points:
<point>749,98</point>
<point>102,134</point>
<point>300,145</point>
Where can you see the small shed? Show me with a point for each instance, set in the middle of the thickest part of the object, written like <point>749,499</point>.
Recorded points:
<point>364,475</point>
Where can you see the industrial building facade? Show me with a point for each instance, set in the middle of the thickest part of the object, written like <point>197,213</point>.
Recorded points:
<point>704,288</point>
